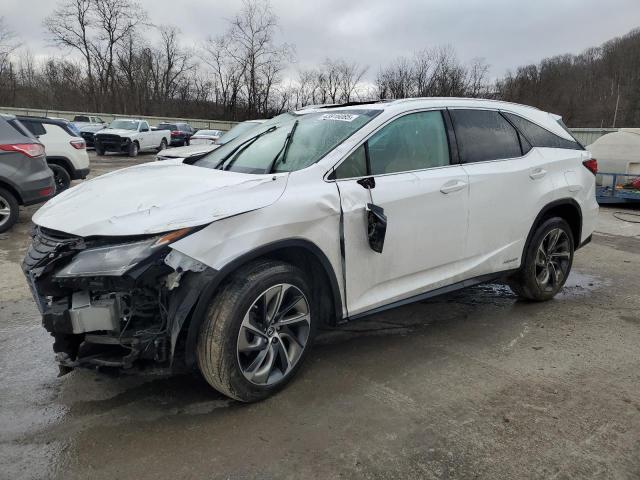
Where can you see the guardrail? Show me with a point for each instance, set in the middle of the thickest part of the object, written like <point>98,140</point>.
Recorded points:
<point>107,117</point>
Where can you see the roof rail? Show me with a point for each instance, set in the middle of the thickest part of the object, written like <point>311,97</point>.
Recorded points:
<point>340,105</point>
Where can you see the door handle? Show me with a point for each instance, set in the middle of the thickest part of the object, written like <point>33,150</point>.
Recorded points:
<point>537,173</point>
<point>453,186</point>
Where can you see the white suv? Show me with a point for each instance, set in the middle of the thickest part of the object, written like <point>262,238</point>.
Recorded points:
<point>65,149</point>
<point>320,216</point>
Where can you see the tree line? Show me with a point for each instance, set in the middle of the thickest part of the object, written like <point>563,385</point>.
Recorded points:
<point>111,62</point>
<point>597,88</point>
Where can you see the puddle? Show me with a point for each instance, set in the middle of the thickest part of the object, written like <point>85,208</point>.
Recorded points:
<point>581,284</point>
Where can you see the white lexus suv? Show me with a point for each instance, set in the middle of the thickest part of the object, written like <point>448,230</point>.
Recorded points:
<point>229,263</point>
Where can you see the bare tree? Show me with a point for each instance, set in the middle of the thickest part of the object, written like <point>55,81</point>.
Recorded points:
<point>228,73</point>
<point>170,64</point>
<point>477,82</point>
<point>95,29</point>
<point>7,44</point>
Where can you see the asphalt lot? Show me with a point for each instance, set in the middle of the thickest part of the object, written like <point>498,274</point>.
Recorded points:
<point>471,385</point>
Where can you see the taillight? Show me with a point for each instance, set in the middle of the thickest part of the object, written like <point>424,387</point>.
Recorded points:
<point>175,133</point>
<point>78,144</point>
<point>29,149</point>
<point>591,165</point>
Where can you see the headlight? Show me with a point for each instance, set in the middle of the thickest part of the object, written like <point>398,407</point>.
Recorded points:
<point>115,260</point>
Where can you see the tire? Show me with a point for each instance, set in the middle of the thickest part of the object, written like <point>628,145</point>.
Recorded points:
<point>163,145</point>
<point>99,150</point>
<point>228,347</point>
<point>61,177</point>
<point>133,149</point>
<point>545,253</point>
<point>9,210</point>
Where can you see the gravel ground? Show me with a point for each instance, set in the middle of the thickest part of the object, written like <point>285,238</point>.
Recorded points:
<point>470,385</point>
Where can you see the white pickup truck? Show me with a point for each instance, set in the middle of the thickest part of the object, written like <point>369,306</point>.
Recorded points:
<point>130,136</point>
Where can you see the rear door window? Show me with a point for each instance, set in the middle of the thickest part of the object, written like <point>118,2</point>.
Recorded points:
<point>540,137</point>
<point>484,135</point>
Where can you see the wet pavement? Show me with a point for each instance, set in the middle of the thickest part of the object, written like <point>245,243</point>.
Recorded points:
<point>474,384</point>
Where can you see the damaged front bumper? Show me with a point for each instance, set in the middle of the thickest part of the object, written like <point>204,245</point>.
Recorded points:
<point>113,302</point>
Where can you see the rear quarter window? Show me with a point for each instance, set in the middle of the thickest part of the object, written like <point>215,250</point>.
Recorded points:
<point>540,137</point>
<point>34,127</point>
<point>20,128</point>
<point>484,135</point>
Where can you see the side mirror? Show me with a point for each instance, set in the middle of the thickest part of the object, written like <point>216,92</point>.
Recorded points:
<point>376,227</point>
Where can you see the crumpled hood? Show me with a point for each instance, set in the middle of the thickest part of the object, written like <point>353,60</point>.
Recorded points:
<point>116,131</point>
<point>157,197</point>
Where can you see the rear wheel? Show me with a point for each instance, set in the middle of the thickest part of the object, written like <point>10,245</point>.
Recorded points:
<point>547,262</point>
<point>163,145</point>
<point>61,178</point>
<point>9,210</point>
<point>258,331</point>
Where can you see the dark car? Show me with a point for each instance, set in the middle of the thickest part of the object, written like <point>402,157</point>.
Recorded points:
<point>180,132</point>
<point>25,177</point>
<point>88,131</point>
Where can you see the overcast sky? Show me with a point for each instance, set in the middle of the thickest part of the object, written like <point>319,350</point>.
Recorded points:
<point>506,33</point>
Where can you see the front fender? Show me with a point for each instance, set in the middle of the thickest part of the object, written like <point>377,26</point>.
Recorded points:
<point>192,299</point>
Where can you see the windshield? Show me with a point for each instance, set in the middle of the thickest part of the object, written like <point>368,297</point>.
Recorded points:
<point>124,124</point>
<point>266,149</point>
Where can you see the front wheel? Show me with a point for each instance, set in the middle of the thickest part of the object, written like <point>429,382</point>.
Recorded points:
<point>258,330</point>
<point>546,263</point>
<point>100,151</point>
<point>133,149</point>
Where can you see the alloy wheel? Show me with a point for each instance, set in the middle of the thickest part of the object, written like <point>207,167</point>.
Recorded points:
<point>553,259</point>
<point>273,334</point>
<point>5,211</point>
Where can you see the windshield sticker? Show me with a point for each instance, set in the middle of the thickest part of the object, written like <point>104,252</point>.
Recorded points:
<point>341,117</point>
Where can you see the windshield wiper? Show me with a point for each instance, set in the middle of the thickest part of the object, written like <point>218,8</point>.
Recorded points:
<point>221,164</point>
<point>285,148</point>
